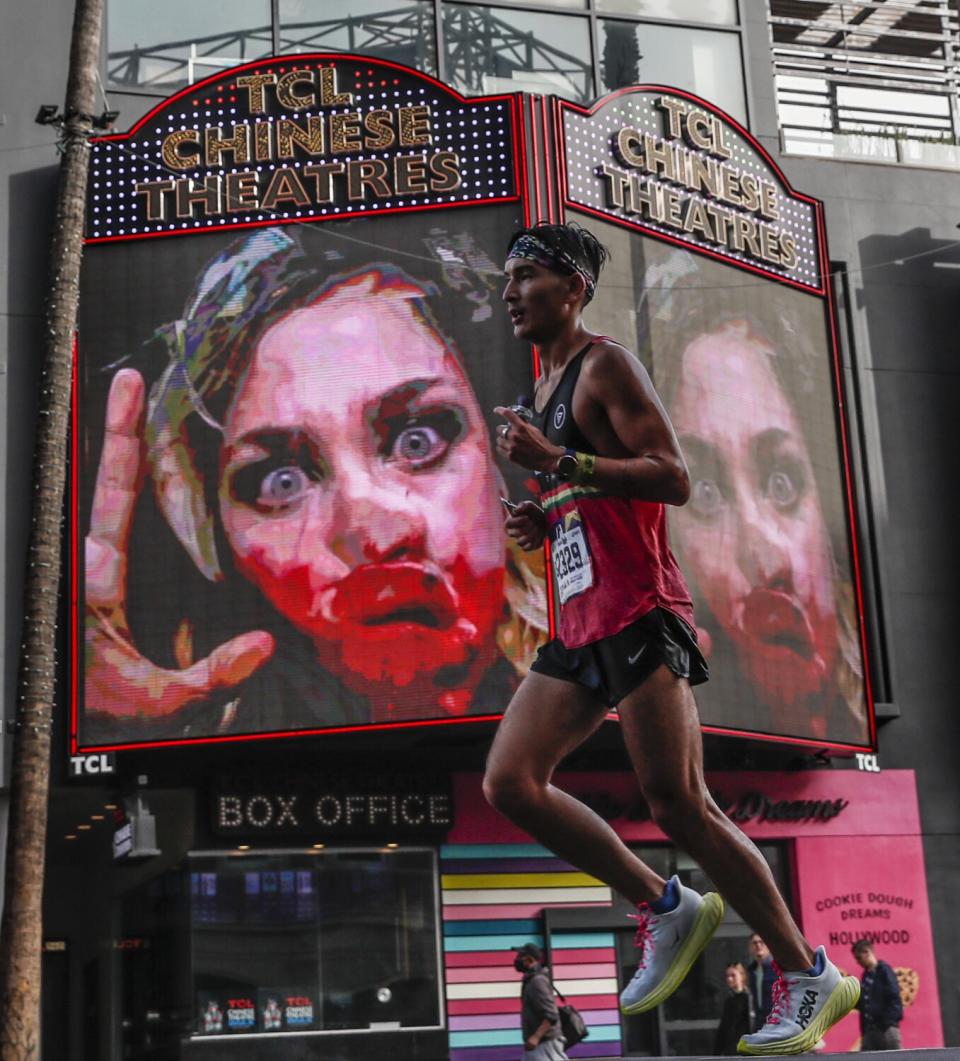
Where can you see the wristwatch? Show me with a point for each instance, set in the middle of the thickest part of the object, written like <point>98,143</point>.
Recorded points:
<point>568,466</point>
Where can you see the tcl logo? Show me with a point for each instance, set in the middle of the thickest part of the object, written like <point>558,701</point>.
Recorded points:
<point>93,765</point>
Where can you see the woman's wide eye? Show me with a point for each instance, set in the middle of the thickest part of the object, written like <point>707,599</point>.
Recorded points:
<point>283,486</point>
<point>418,445</point>
<point>706,497</point>
<point>781,489</point>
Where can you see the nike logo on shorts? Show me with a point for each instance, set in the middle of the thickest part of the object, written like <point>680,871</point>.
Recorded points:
<point>636,656</point>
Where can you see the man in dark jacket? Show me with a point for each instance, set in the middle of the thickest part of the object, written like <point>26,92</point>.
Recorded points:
<point>880,1007</point>
<point>539,1019</point>
<point>762,975</point>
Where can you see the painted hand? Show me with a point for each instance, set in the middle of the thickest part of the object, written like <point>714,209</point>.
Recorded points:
<point>119,681</point>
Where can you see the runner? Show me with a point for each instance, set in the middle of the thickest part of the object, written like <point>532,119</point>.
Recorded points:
<point>608,461</point>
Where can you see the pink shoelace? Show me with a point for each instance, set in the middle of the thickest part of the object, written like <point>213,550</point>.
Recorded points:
<point>643,940</point>
<point>780,995</point>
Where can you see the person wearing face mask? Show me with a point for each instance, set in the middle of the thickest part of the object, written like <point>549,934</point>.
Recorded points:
<point>539,1018</point>
<point>316,447</point>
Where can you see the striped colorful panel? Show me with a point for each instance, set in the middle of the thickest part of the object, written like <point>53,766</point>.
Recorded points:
<point>506,1036</point>
<point>493,896</point>
<point>512,1020</point>
<point>513,1052</point>
<point>470,1006</point>
<point>481,911</point>
<point>555,896</point>
<point>450,881</point>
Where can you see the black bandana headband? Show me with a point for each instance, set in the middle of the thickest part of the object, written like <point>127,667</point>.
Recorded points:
<point>528,246</point>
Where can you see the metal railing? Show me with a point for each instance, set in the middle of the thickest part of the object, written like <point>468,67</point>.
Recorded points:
<point>479,44</point>
<point>875,80</point>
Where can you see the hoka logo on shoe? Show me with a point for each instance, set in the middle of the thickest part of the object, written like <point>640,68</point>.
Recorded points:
<point>806,1007</point>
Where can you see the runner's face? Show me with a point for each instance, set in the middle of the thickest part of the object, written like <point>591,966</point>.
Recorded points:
<point>538,299</point>
<point>753,535</point>
<point>358,492</point>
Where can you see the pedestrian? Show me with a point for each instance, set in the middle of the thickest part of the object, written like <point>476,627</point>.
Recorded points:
<point>735,1020</point>
<point>880,1005</point>
<point>539,1017</point>
<point>762,977</point>
<point>608,462</point>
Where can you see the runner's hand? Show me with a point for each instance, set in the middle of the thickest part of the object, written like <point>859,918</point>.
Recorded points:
<point>524,444</point>
<point>119,681</point>
<point>527,524</point>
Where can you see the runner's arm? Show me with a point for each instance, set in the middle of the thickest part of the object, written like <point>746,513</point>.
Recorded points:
<point>620,390</point>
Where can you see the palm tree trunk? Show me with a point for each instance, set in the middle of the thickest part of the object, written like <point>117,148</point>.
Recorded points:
<point>21,931</point>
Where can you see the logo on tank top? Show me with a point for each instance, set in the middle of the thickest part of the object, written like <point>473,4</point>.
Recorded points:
<point>559,416</point>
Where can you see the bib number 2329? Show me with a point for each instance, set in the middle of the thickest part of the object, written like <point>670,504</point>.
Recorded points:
<point>571,561</point>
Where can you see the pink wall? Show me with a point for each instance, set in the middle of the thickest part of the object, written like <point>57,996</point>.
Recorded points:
<point>873,886</point>
<point>883,804</point>
<point>856,850</point>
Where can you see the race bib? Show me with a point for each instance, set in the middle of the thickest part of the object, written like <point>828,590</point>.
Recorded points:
<point>570,556</point>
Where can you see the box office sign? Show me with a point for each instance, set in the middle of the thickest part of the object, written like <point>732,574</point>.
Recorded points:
<point>673,166</point>
<point>340,808</point>
<point>309,138</point>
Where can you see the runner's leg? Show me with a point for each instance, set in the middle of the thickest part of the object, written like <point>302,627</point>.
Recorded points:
<point>546,720</point>
<point>662,732</point>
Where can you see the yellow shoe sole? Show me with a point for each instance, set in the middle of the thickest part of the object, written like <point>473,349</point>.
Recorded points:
<point>841,1001</point>
<point>705,924</point>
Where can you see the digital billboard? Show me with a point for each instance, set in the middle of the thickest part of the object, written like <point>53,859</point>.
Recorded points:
<point>288,510</point>
<point>717,281</point>
<point>287,500</point>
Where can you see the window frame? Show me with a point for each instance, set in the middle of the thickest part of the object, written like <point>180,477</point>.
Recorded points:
<point>589,13</point>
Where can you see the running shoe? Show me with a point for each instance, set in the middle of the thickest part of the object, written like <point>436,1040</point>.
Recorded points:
<point>804,1007</point>
<point>669,944</point>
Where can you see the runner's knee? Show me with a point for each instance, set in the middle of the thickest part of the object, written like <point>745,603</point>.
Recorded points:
<point>677,808</point>
<point>509,792</point>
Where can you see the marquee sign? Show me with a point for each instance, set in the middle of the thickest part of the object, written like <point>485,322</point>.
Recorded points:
<point>305,138</point>
<point>677,168</point>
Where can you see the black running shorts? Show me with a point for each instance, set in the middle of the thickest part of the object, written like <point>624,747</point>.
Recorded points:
<point>614,666</point>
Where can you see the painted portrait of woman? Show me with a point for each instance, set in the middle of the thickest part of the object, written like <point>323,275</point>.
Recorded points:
<point>744,371</point>
<point>308,436</point>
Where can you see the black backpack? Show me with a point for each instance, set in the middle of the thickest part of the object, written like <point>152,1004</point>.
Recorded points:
<point>572,1025</point>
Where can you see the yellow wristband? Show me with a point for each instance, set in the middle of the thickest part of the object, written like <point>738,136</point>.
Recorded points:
<point>586,463</point>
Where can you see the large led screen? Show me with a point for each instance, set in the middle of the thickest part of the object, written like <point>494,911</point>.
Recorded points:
<point>287,494</point>
<point>745,368</point>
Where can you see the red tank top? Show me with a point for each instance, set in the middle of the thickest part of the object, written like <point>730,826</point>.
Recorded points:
<point>610,556</point>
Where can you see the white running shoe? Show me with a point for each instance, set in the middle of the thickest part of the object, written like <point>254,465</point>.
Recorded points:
<point>804,1007</point>
<point>669,945</point>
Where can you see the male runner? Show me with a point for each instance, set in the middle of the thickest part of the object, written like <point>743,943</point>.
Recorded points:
<point>608,461</point>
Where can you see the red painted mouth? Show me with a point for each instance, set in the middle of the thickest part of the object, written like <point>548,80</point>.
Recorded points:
<point>775,619</point>
<point>401,593</point>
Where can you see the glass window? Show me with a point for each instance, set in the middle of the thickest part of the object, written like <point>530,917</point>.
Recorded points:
<point>723,12</point>
<point>704,62</point>
<point>496,49</point>
<point>166,46</point>
<point>335,941</point>
<point>400,30</point>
